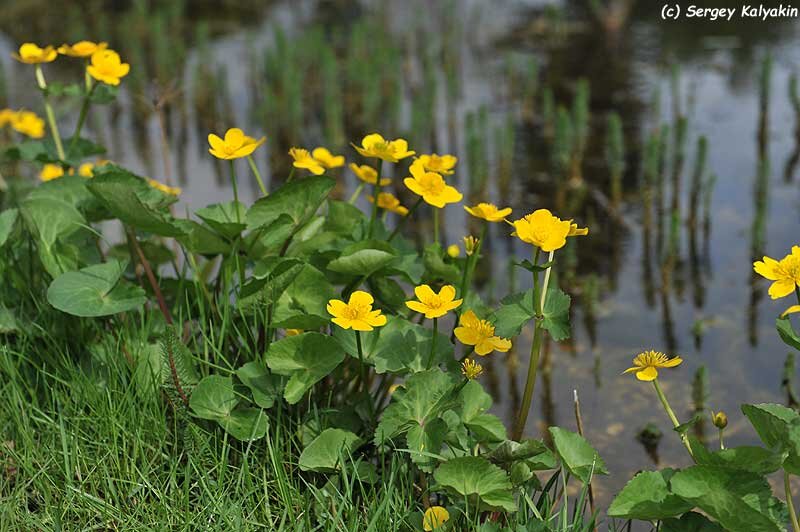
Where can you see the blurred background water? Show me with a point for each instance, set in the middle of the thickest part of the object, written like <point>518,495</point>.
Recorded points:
<point>675,142</point>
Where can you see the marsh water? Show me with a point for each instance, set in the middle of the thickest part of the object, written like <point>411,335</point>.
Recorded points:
<point>485,81</point>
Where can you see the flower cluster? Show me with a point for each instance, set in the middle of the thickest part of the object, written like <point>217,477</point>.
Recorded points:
<point>26,122</point>
<point>105,65</point>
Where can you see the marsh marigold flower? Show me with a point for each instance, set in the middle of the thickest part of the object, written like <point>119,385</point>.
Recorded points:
<point>434,305</point>
<point>479,333</point>
<point>7,117</point>
<point>86,170</point>
<point>791,310</point>
<point>166,189</point>
<point>784,273</point>
<point>388,202</point>
<point>488,212</point>
<point>431,186</point>
<point>32,54</point>
<point>324,157</point>
<point>453,251</point>
<point>470,244</point>
<point>304,160</point>
<point>357,313</point>
<point>435,517</point>
<point>374,145</point>
<point>543,230</point>
<point>106,66</point>
<point>368,174</point>
<point>441,164</point>
<point>50,172</point>
<point>471,369</point>
<point>574,230</point>
<point>235,144</point>
<point>28,123</point>
<point>646,364</point>
<point>81,48</point>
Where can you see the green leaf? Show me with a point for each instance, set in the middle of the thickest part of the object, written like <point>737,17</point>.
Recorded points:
<point>299,199</point>
<point>424,441</point>
<point>477,480</point>
<point>690,522</point>
<point>264,386</point>
<point>246,424</point>
<point>739,500</point>
<point>746,458</point>
<point>95,291</point>
<point>576,454</point>
<point>134,202</point>
<point>104,94</point>
<point>213,398</point>
<point>556,314</point>
<point>269,239</point>
<point>8,322</point>
<point>81,149</point>
<point>343,218</point>
<point>362,262</point>
<point>647,497</point>
<point>401,347</point>
<point>52,221</point>
<point>222,217</point>
<point>305,359</point>
<point>474,402</point>
<point>304,303</point>
<point>779,429</point>
<point>515,311</point>
<point>787,332</point>
<point>510,451</point>
<point>326,452</point>
<point>7,220</point>
<point>200,239</point>
<point>435,266</point>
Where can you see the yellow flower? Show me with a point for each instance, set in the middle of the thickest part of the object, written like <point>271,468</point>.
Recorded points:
<point>235,145</point>
<point>470,244</point>
<point>542,229</point>
<point>86,170</point>
<point>480,333</point>
<point>324,157</point>
<point>31,54</point>
<point>27,123</point>
<point>646,364</point>
<point>453,251</point>
<point>434,305</point>
<point>431,187</point>
<point>388,202</point>
<point>368,174</point>
<point>471,369</point>
<point>294,332</point>
<point>357,313</point>
<point>7,117</point>
<point>574,230</point>
<point>441,164</point>
<point>107,67</point>
<point>791,310</point>
<point>785,273</point>
<point>50,172</point>
<point>303,159</point>
<point>166,189</point>
<point>374,145</point>
<point>81,48</point>
<point>488,212</point>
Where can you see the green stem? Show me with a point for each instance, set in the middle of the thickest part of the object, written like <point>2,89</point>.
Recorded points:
<point>254,168</point>
<point>235,191</point>
<point>436,225</point>
<point>790,502</point>
<point>375,191</point>
<point>356,194</point>
<point>433,342</point>
<point>672,417</point>
<point>48,109</point>
<point>291,175</point>
<point>471,263</point>
<point>721,440</point>
<point>87,100</point>
<point>361,368</point>
<point>403,219</point>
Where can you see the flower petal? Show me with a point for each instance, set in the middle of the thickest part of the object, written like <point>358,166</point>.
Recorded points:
<point>647,374</point>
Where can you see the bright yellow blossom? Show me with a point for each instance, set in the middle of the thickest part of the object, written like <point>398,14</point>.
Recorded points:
<point>374,145</point>
<point>324,157</point>
<point>488,212</point>
<point>166,189</point>
<point>441,164</point>
<point>368,174</point>
<point>431,186</point>
<point>471,369</point>
<point>388,202</point>
<point>470,244</point>
<point>32,54</point>
<point>50,172</point>
<point>453,251</point>
<point>28,123</point>
<point>434,518</point>
<point>107,67</point>
<point>479,333</point>
<point>81,48</point>
<point>574,230</point>
<point>794,309</point>
<point>785,273</point>
<point>357,313</point>
<point>543,230</point>
<point>235,145</point>
<point>303,159</point>
<point>434,305</point>
<point>646,364</point>
<point>86,170</point>
<point>7,117</point>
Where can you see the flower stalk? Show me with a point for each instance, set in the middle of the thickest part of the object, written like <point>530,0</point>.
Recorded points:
<point>87,100</point>
<point>256,173</point>
<point>433,342</point>
<point>235,191</point>
<point>376,188</point>
<point>672,417</point>
<point>48,110</point>
<point>790,502</point>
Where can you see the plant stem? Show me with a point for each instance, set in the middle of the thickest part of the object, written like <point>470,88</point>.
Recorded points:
<point>433,342</point>
<point>436,225</point>
<point>235,191</point>
<point>82,117</point>
<point>790,502</point>
<point>162,305</point>
<point>533,364</point>
<point>48,109</point>
<point>672,417</point>
<point>361,368</point>
<point>721,440</point>
<point>375,191</point>
<point>256,173</point>
<point>356,194</point>
<point>403,219</point>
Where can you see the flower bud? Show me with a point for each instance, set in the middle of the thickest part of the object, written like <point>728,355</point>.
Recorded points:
<point>470,244</point>
<point>720,420</point>
<point>453,251</point>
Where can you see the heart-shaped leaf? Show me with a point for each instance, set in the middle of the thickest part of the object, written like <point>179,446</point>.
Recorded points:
<point>95,291</point>
<point>305,359</point>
